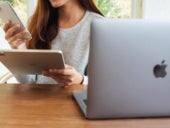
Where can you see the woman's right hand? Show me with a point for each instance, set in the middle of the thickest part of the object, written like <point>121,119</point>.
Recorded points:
<point>13,38</point>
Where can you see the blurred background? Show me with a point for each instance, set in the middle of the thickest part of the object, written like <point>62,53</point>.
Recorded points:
<point>146,9</point>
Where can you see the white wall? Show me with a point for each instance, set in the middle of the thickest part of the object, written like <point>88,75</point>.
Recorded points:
<point>4,45</point>
<point>156,9</point>
<point>136,9</point>
<point>31,4</point>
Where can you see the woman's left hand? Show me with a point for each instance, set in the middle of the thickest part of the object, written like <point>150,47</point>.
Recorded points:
<point>66,77</point>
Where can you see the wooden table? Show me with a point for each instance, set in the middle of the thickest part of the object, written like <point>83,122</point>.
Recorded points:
<point>48,106</point>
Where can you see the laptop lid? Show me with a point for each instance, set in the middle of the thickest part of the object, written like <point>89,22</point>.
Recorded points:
<point>129,69</point>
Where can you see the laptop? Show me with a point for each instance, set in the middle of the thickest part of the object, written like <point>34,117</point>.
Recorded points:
<point>31,61</point>
<point>129,70</point>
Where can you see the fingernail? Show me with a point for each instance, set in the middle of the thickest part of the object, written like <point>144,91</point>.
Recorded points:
<point>18,25</point>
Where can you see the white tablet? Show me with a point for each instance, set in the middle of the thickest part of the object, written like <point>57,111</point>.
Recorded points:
<point>8,13</point>
<point>31,61</point>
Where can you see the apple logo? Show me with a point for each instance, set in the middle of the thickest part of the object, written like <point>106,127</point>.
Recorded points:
<point>159,70</point>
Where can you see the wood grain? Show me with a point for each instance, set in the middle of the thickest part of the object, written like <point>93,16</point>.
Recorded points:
<point>48,106</point>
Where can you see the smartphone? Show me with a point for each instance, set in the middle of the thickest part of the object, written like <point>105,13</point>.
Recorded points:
<point>8,13</point>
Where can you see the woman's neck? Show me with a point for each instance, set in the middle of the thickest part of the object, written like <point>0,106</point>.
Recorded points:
<point>70,14</point>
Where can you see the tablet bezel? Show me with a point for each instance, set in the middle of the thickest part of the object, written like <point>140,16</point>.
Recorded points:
<point>32,61</point>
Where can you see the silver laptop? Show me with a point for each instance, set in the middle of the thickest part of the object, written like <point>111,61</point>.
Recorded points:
<point>129,70</point>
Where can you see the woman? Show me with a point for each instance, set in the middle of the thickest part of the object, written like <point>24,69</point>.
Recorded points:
<point>58,24</point>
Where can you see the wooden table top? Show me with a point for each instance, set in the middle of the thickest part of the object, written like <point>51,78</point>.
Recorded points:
<point>48,106</point>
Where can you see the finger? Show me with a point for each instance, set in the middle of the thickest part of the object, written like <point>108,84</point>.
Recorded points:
<point>13,46</point>
<point>52,75</point>
<point>16,39</point>
<point>6,26</point>
<point>45,73</point>
<point>60,70</point>
<point>56,71</point>
<point>61,79</point>
<point>11,31</point>
<point>63,84</point>
<point>67,71</point>
<point>16,44</point>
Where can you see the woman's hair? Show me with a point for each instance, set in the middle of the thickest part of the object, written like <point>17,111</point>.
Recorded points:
<point>44,23</point>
